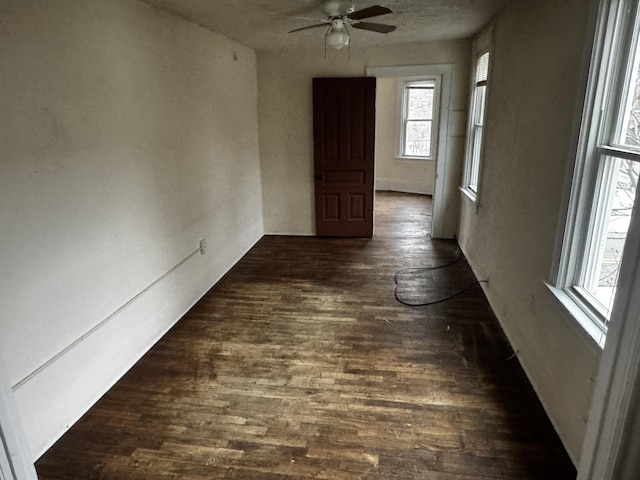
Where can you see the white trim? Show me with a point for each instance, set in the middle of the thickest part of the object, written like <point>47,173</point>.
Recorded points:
<point>612,420</point>
<point>445,71</point>
<point>470,195</point>
<point>619,152</point>
<point>576,311</point>
<point>15,462</point>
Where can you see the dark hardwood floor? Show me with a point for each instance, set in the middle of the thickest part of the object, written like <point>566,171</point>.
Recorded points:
<point>301,364</point>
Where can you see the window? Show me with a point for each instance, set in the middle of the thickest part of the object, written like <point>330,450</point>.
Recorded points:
<point>419,113</point>
<point>607,170</point>
<point>476,125</point>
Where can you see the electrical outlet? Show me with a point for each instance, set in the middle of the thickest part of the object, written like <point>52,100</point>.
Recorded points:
<point>203,246</point>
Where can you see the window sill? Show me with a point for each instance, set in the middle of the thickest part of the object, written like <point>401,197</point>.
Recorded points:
<point>470,195</point>
<point>422,159</point>
<point>575,312</point>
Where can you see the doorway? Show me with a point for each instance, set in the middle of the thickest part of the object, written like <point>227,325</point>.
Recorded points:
<point>435,183</point>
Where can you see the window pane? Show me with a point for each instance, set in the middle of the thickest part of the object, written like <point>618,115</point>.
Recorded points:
<point>475,158</point>
<point>478,108</point>
<point>475,145</point>
<point>631,123</point>
<point>417,140</point>
<point>420,103</point>
<point>628,113</point>
<point>612,215</point>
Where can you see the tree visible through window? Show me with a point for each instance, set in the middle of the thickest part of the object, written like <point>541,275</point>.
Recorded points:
<point>418,112</point>
<point>607,170</point>
<point>617,193</point>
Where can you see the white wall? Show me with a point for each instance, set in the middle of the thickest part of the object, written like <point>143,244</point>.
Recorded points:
<point>535,77</point>
<point>285,112</point>
<point>127,136</point>
<point>393,173</point>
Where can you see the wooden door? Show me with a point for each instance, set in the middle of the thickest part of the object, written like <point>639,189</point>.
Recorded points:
<point>344,144</point>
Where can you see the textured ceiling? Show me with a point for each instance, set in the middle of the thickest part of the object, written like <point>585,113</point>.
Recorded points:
<point>263,24</point>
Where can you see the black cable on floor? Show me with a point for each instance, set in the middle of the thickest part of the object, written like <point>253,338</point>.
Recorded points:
<point>460,292</point>
<point>424,269</point>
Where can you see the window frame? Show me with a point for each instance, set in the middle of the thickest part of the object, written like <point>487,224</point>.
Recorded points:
<point>610,70</point>
<point>474,147</point>
<point>402,116</point>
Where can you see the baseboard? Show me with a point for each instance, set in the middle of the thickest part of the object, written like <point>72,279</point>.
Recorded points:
<point>405,186</point>
<point>523,363</point>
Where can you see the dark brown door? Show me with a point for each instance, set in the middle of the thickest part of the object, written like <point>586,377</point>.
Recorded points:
<point>344,143</point>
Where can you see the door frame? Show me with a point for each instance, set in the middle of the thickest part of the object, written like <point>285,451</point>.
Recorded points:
<point>444,72</point>
<point>15,458</point>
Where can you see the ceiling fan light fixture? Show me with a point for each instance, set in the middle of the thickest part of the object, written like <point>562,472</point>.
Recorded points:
<point>342,17</point>
<point>337,37</point>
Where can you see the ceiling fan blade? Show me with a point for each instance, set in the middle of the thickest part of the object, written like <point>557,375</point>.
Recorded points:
<point>369,12</point>
<point>374,27</point>
<point>324,24</point>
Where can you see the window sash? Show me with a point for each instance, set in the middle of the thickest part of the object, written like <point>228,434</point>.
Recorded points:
<point>411,112</point>
<point>610,151</point>
<point>595,278</point>
<point>603,149</point>
<point>476,125</point>
<point>627,78</point>
<point>412,142</point>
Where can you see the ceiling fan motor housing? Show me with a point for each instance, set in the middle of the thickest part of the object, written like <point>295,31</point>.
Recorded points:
<point>337,8</point>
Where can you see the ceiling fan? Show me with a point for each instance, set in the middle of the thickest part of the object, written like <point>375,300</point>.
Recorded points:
<point>342,16</point>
